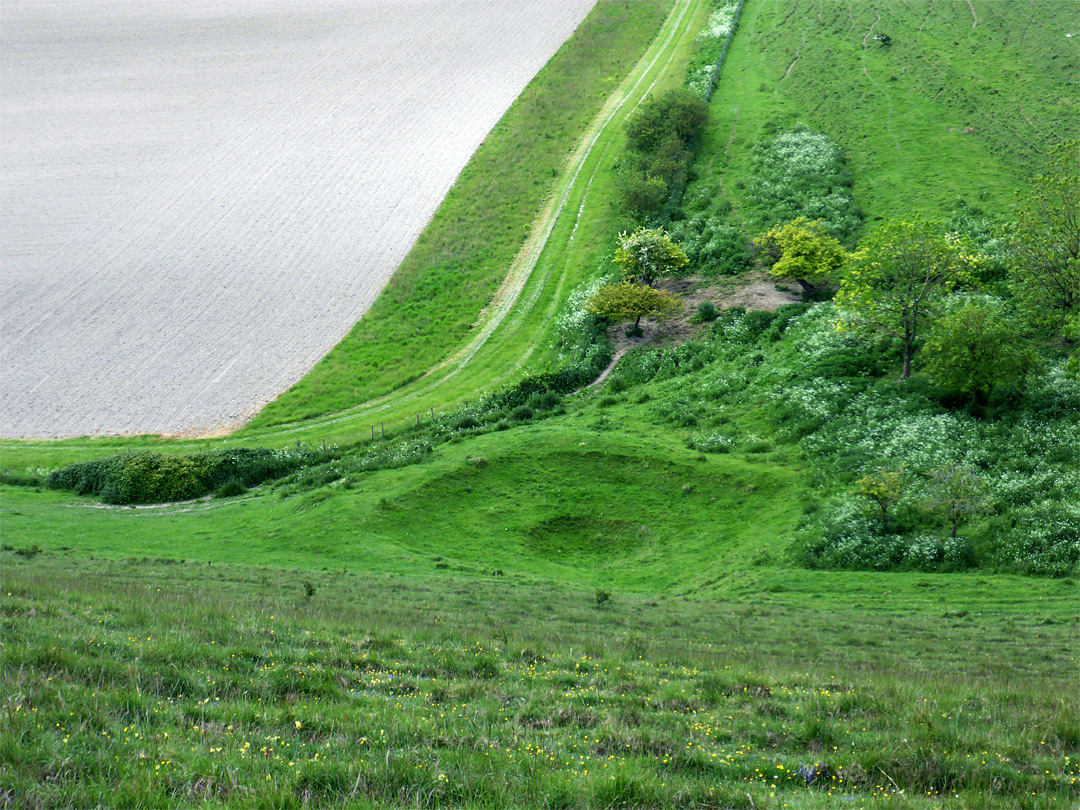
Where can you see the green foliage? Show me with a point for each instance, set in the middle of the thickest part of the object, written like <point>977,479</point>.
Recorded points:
<point>975,348</point>
<point>900,276</point>
<point>648,254</point>
<point>884,488</point>
<point>627,299</point>
<point>958,492</point>
<point>706,313</point>
<point>1044,242</point>
<point>801,174</point>
<point>801,250</point>
<point>661,137</point>
<point>713,246</point>
<point>147,477</point>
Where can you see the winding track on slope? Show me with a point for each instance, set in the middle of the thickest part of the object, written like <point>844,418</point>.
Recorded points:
<point>509,293</point>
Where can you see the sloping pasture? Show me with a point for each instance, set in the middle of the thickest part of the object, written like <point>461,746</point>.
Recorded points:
<point>200,199</point>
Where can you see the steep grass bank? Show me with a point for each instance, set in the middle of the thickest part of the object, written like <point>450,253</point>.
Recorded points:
<point>962,104</point>
<point>457,263</point>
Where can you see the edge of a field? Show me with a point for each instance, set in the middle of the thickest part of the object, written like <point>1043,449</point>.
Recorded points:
<point>569,191</point>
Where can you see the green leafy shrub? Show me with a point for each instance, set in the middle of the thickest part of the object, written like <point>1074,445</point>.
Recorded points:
<point>714,246</point>
<point>147,477</point>
<point>706,312</point>
<point>661,137</point>
<point>230,489</point>
<point>522,413</point>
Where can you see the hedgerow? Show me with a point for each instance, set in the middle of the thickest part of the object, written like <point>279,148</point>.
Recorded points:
<point>148,477</point>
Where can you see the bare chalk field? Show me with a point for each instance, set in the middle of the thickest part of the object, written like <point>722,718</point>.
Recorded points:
<point>199,198</point>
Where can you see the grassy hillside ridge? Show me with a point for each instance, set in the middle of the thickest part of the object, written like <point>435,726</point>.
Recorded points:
<point>963,103</point>
<point>451,273</point>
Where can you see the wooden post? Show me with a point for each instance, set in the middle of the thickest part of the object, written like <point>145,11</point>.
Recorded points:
<point>418,420</point>
<point>382,428</point>
<point>432,413</point>
<point>373,433</point>
<point>324,446</point>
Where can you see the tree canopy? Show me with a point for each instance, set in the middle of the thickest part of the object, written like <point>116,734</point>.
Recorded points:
<point>802,250</point>
<point>1044,242</point>
<point>626,300</point>
<point>899,277</point>
<point>648,254</point>
<point>975,348</point>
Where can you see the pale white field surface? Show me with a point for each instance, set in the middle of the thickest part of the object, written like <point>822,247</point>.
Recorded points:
<point>201,197</point>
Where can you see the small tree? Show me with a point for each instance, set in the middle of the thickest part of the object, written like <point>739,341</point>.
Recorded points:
<point>625,300</point>
<point>647,254</point>
<point>884,488</point>
<point>802,250</point>
<point>958,492</point>
<point>1044,241</point>
<point>899,277</point>
<point>975,348</point>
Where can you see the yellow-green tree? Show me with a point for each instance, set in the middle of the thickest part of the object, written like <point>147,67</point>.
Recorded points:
<point>626,300</point>
<point>803,250</point>
<point>648,254</point>
<point>899,277</point>
<point>884,488</point>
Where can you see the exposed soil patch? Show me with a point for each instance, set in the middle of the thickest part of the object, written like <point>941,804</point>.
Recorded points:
<point>751,291</point>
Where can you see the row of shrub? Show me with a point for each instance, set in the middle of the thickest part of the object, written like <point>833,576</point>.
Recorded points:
<point>148,477</point>
<point>662,137</point>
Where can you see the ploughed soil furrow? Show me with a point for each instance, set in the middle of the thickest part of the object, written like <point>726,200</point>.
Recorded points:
<point>200,200</point>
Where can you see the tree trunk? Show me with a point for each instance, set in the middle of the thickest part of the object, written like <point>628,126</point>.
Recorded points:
<point>808,288</point>
<point>907,365</point>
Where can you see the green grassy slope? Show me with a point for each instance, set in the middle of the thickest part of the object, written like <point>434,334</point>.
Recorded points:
<point>457,263</point>
<point>961,104</point>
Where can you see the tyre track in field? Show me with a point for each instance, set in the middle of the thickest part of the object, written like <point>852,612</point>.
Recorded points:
<point>294,197</point>
<point>510,290</point>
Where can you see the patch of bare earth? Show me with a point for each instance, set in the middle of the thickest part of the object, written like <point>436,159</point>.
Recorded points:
<point>751,291</point>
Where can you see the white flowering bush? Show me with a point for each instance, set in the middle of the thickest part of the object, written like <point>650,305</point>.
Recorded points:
<point>1044,540</point>
<point>714,246</point>
<point>711,443</point>
<point>574,324</point>
<point>720,23</point>
<point>801,173</point>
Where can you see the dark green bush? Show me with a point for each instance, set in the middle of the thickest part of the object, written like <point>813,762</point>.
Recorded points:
<point>147,477</point>
<point>522,413</point>
<point>706,312</point>
<point>466,422</point>
<point>231,488</point>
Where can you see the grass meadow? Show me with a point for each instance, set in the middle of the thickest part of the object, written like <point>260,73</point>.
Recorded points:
<point>145,682</point>
<point>620,597</point>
